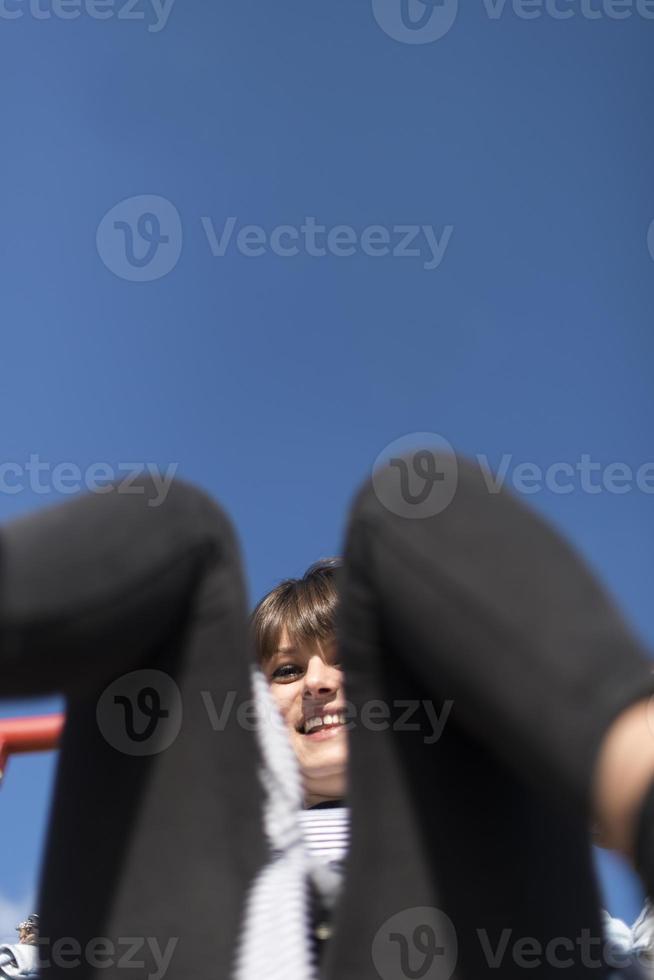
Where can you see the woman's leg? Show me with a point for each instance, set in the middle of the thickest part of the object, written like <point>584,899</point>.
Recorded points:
<point>138,615</point>
<point>484,665</point>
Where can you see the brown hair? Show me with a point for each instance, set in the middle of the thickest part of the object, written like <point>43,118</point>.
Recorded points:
<point>305,606</point>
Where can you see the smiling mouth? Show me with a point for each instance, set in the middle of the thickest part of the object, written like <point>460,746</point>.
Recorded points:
<point>323,723</point>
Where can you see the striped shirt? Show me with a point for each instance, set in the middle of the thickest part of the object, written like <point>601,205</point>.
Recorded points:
<point>326,832</point>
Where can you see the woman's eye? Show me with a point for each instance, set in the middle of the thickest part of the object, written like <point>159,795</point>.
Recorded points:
<point>286,672</point>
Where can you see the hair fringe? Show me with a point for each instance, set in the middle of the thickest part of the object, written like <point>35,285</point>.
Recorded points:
<point>305,607</point>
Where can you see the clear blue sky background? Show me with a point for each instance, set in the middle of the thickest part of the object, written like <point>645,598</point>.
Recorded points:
<point>275,381</point>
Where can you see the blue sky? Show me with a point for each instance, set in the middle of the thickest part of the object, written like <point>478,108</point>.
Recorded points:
<point>518,152</point>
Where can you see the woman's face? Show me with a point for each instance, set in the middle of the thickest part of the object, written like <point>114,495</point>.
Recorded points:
<point>307,684</point>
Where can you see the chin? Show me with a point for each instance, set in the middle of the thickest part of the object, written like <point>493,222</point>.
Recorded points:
<point>331,766</point>
<point>325,788</point>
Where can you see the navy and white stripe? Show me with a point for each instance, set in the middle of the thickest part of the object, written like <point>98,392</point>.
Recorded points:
<point>326,832</point>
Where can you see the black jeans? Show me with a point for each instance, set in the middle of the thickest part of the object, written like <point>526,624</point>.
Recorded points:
<point>469,838</point>
<point>158,847</point>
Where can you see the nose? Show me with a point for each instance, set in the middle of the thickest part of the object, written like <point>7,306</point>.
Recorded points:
<point>320,679</point>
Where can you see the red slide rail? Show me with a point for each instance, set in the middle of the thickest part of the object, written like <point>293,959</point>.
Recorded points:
<point>39,733</point>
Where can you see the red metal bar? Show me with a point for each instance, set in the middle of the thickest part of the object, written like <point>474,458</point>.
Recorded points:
<point>39,733</point>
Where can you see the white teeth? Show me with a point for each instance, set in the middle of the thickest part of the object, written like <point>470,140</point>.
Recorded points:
<point>318,722</point>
